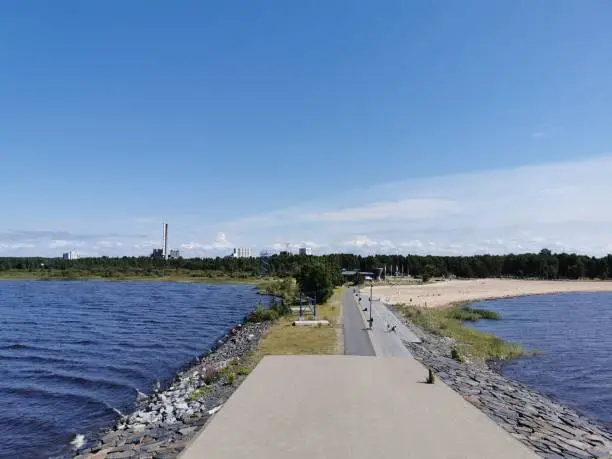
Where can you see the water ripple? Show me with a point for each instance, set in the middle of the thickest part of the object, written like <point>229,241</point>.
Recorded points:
<point>75,354</point>
<point>572,333</point>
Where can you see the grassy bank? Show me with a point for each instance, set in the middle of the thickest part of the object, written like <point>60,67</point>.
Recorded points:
<point>285,289</point>
<point>470,343</point>
<point>285,339</point>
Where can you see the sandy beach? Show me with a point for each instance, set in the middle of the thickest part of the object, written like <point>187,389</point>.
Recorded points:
<point>445,293</point>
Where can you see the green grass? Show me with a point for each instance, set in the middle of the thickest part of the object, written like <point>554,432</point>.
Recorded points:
<point>286,288</point>
<point>468,314</point>
<point>261,314</point>
<point>471,343</point>
<point>199,393</point>
<point>285,339</point>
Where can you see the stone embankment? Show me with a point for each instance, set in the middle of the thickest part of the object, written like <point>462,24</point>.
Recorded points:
<point>167,420</point>
<point>545,426</point>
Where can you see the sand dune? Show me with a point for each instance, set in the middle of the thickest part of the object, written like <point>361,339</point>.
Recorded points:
<point>445,293</point>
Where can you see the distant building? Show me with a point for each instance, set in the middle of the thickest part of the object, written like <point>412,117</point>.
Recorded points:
<point>242,252</point>
<point>305,251</point>
<point>157,253</point>
<point>72,255</point>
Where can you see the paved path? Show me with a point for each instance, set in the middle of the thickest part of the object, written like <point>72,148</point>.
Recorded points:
<point>349,407</point>
<point>356,338</point>
<point>387,343</point>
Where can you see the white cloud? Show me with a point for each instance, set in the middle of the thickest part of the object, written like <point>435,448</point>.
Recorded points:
<point>361,241</point>
<point>525,208</point>
<point>562,206</point>
<point>220,243</point>
<point>405,209</point>
<point>366,242</point>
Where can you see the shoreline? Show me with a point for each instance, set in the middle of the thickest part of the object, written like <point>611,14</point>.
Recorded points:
<point>542,423</point>
<point>164,422</point>
<point>448,293</point>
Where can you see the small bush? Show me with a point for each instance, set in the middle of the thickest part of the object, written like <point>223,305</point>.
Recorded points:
<point>242,370</point>
<point>210,375</point>
<point>467,314</point>
<point>455,355</point>
<point>261,314</point>
<point>199,393</point>
<point>231,379</point>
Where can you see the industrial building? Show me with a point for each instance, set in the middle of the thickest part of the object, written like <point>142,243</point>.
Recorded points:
<point>305,251</point>
<point>242,252</point>
<point>163,252</point>
<point>72,255</point>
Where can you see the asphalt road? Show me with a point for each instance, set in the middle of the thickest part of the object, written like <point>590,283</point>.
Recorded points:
<point>356,339</point>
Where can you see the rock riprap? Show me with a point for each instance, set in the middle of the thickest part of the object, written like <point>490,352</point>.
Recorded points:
<point>545,426</point>
<point>167,420</point>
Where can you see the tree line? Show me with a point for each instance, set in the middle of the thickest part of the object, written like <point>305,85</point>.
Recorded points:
<point>542,265</point>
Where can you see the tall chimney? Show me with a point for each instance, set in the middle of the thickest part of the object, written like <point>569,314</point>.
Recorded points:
<point>166,241</point>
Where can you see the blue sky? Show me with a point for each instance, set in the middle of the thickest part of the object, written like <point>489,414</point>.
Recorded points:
<point>429,127</point>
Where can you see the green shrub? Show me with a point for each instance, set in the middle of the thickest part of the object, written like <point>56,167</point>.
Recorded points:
<point>242,370</point>
<point>211,375</point>
<point>200,392</point>
<point>262,314</point>
<point>468,314</point>
<point>455,355</point>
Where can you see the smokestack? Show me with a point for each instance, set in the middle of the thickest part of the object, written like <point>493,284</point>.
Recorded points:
<point>166,241</point>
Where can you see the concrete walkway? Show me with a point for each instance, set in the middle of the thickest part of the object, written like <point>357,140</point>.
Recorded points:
<point>386,343</point>
<point>337,407</point>
<point>356,338</point>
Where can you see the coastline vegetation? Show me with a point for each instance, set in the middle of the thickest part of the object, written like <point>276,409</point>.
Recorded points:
<point>285,339</point>
<point>470,343</point>
<point>542,265</point>
<point>200,392</point>
<point>281,339</point>
<point>284,289</point>
<point>157,275</point>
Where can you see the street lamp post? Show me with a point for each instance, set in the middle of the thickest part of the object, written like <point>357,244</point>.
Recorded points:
<point>371,283</point>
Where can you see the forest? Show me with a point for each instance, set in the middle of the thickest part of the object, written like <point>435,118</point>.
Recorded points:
<point>542,265</point>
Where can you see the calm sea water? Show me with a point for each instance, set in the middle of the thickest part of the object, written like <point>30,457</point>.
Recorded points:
<point>74,354</point>
<point>573,331</point>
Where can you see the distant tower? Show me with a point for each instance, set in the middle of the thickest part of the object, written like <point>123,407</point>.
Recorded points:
<point>165,240</point>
